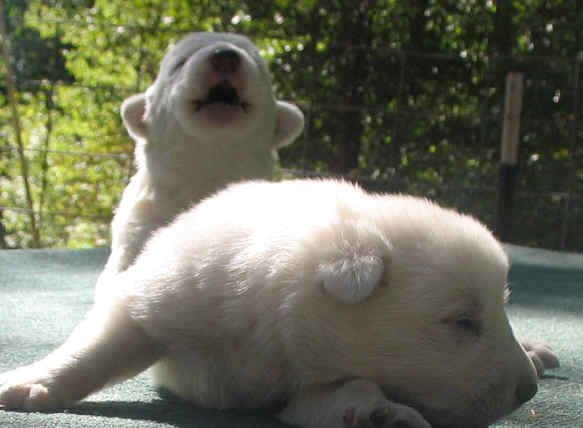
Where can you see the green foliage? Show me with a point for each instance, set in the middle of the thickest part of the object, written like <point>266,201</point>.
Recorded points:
<point>407,96</point>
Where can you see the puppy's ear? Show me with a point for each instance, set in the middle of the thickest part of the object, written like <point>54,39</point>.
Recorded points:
<point>289,123</point>
<point>355,256</point>
<point>133,110</point>
<point>352,279</point>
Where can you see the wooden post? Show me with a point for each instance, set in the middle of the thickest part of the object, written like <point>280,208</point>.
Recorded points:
<point>509,155</point>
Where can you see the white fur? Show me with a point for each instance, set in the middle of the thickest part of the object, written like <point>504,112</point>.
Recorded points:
<point>183,153</point>
<point>357,403</point>
<point>298,289</point>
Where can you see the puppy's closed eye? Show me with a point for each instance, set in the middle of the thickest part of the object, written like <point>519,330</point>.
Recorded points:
<point>464,323</point>
<point>468,324</point>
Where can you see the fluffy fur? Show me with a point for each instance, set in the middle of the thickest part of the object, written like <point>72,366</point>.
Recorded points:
<point>312,292</point>
<point>209,119</point>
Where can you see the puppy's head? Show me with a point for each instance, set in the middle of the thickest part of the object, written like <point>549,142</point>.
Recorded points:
<point>212,85</point>
<point>412,296</point>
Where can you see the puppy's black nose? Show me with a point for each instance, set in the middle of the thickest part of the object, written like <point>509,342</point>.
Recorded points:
<point>525,391</point>
<point>225,60</point>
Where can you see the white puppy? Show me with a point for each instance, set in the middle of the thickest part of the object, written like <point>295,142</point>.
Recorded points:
<point>209,119</point>
<point>310,292</point>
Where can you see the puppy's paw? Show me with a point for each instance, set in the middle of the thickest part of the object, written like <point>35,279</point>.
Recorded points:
<point>355,404</point>
<point>541,355</point>
<point>383,414</point>
<point>28,388</point>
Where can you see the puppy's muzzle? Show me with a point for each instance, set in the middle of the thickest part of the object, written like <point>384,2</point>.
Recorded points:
<point>525,390</point>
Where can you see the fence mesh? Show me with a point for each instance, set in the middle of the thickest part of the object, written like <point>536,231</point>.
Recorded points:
<point>418,122</point>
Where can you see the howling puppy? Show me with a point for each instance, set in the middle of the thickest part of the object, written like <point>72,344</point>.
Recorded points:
<point>312,293</point>
<point>209,119</point>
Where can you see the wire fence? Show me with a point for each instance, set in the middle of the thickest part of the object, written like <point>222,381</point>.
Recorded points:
<point>445,151</point>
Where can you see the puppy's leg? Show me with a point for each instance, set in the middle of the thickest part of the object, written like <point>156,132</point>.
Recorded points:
<point>541,355</point>
<point>105,348</point>
<point>354,404</point>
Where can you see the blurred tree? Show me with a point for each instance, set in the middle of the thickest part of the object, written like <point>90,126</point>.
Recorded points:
<point>405,95</point>
<point>37,64</point>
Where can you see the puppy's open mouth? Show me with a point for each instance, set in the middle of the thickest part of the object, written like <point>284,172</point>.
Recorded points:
<point>222,94</point>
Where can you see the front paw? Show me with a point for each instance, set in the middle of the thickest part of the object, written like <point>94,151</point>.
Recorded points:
<point>383,414</point>
<point>28,388</point>
<point>541,355</point>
